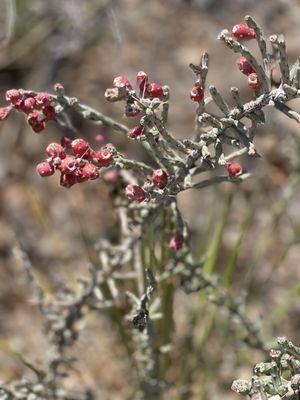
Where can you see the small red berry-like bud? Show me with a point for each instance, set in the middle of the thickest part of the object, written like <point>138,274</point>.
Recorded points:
<point>49,112</point>
<point>33,118</point>
<point>54,150</point>
<point>153,90</point>
<point>121,81</point>
<point>93,155</point>
<point>68,165</point>
<point>90,171</point>
<point>66,141</point>
<point>4,111</point>
<point>253,81</point>
<point>244,65</point>
<point>243,32</point>
<point>197,93</point>
<point>135,132</point>
<point>67,180</point>
<point>142,78</point>
<point>135,192</point>
<point>80,147</point>
<point>105,157</point>
<point>99,138</point>
<point>28,104</point>
<point>45,169</point>
<point>176,242</point>
<point>13,95</point>
<point>19,105</point>
<point>111,176</point>
<point>159,178</point>
<point>36,121</point>
<point>39,126</point>
<point>234,169</point>
<point>80,176</point>
<point>43,98</point>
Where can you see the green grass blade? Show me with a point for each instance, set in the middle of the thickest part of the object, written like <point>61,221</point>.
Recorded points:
<point>229,270</point>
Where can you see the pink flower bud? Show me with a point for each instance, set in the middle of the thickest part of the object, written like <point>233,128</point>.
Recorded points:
<point>99,138</point>
<point>39,126</point>
<point>4,111</point>
<point>197,93</point>
<point>243,32</point>
<point>13,95</point>
<point>49,112</point>
<point>68,165</point>
<point>80,148</point>
<point>120,81</point>
<point>45,169</point>
<point>43,98</point>
<point>105,157</point>
<point>111,176</point>
<point>28,104</point>
<point>36,121</point>
<point>135,192</point>
<point>54,150</point>
<point>234,169</point>
<point>159,178</point>
<point>135,132</point>
<point>142,78</point>
<point>176,242</point>
<point>253,81</point>
<point>244,65</point>
<point>66,141</point>
<point>67,180</point>
<point>90,171</point>
<point>153,90</point>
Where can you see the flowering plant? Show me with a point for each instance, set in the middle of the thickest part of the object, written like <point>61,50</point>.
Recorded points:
<point>147,206</point>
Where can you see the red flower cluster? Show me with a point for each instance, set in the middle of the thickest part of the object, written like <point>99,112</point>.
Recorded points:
<point>123,90</point>
<point>82,165</point>
<point>37,106</point>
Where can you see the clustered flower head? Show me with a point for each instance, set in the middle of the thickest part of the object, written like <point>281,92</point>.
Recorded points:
<point>78,162</point>
<point>159,179</point>
<point>243,32</point>
<point>38,107</point>
<point>151,192</point>
<point>80,165</point>
<point>123,90</point>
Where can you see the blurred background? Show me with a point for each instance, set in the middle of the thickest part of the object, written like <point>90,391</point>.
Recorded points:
<point>83,45</point>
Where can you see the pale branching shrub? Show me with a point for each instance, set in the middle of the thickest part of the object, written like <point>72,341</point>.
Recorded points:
<point>154,238</point>
<point>278,378</point>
